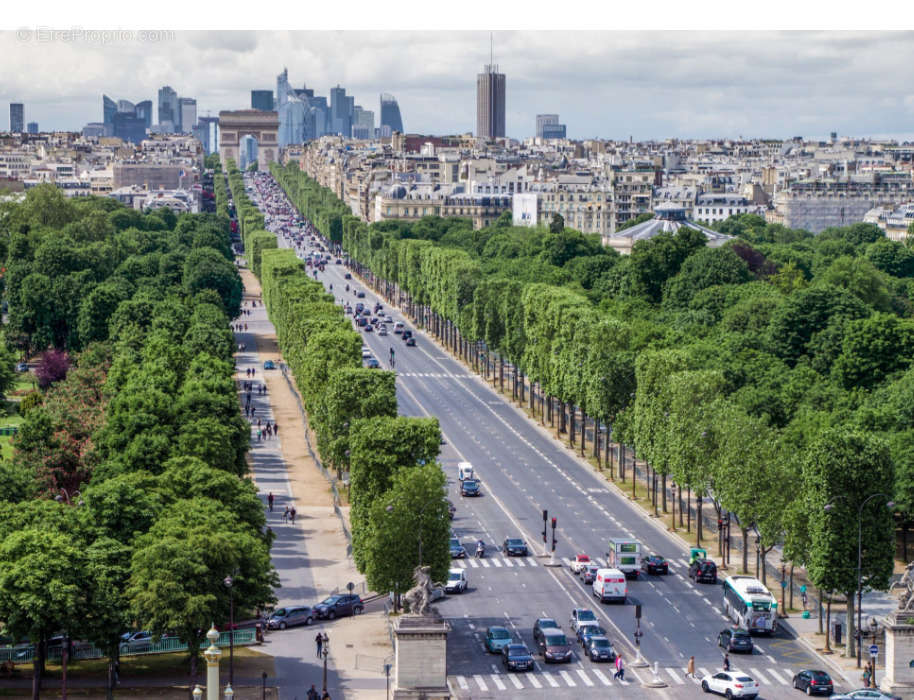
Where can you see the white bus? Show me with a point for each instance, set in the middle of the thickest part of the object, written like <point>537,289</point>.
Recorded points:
<point>750,604</point>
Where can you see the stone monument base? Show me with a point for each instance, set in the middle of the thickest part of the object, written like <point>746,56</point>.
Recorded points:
<point>898,677</point>
<point>420,658</point>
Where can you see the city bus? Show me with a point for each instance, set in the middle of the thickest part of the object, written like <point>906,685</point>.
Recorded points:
<point>750,604</point>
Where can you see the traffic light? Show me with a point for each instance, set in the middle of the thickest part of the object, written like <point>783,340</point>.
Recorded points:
<point>553,534</point>
<point>545,524</point>
<point>720,524</point>
<point>638,612</point>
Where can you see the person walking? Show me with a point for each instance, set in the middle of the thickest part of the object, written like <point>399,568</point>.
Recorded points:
<point>275,429</point>
<point>726,661</point>
<point>292,514</point>
<point>270,501</point>
<point>312,694</point>
<point>319,640</point>
<point>325,696</point>
<point>620,669</point>
<point>691,669</point>
<point>867,674</point>
<point>285,514</point>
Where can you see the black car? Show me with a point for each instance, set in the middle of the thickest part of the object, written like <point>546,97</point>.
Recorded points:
<point>585,632</point>
<point>410,342</point>
<point>735,640</point>
<point>406,334</point>
<point>599,648</point>
<point>655,564</point>
<point>469,487</point>
<point>457,550</point>
<point>339,605</point>
<point>543,624</point>
<point>554,646</point>
<point>347,276</point>
<point>813,682</point>
<point>517,657</point>
<point>360,294</point>
<point>514,547</point>
<point>703,571</point>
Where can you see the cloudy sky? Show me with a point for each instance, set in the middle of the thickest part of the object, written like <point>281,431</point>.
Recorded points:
<point>606,84</point>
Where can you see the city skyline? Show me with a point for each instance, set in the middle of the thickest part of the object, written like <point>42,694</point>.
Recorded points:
<point>647,85</point>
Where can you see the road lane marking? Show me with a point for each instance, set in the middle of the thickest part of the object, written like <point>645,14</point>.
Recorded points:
<point>496,563</point>
<point>481,683</point>
<point>497,681</point>
<point>515,681</point>
<point>533,681</point>
<point>550,680</point>
<point>484,563</point>
<point>568,679</point>
<point>462,682</point>
<point>704,672</point>
<point>777,677</point>
<point>600,677</point>
<point>675,674</point>
<point>584,678</point>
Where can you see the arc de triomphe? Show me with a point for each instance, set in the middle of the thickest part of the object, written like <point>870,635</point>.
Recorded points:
<point>263,126</point>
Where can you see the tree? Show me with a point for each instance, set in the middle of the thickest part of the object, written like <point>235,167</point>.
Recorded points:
<point>557,225</point>
<point>705,268</point>
<point>872,348</point>
<point>842,470</point>
<point>411,517</point>
<point>206,268</point>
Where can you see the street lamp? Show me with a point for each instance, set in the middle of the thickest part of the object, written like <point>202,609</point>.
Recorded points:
<point>228,581</point>
<point>263,677</point>
<point>758,552</point>
<point>874,627</point>
<point>325,651</point>
<point>830,506</point>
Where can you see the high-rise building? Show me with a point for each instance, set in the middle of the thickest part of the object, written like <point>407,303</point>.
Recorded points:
<point>109,109</point>
<point>126,106</point>
<point>129,127</point>
<point>188,114</point>
<point>490,103</point>
<point>390,115</point>
<point>17,117</point>
<point>544,119</point>
<point>553,131</point>
<point>169,116</point>
<point>247,151</point>
<point>362,123</point>
<point>340,111</point>
<point>32,127</point>
<point>144,112</point>
<point>262,99</point>
<point>207,133</point>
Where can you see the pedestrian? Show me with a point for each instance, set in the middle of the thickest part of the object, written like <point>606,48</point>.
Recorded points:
<point>285,515</point>
<point>292,514</point>
<point>726,661</point>
<point>258,422</point>
<point>325,696</point>
<point>270,501</point>
<point>245,327</point>
<point>867,674</point>
<point>275,429</point>
<point>253,411</point>
<point>803,595</point>
<point>259,435</point>
<point>620,669</point>
<point>319,640</point>
<point>312,694</point>
<point>691,670</point>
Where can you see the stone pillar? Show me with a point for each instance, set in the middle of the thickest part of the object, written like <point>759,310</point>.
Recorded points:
<point>898,676</point>
<point>212,655</point>
<point>420,658</point>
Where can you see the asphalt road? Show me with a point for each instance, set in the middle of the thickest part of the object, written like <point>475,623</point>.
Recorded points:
<point>524,470</point>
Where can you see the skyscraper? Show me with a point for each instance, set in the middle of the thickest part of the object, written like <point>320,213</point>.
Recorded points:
<point>17,117</point>
<point>129,127</point>
<point>362,123</point>
<point>262,99</point>
<point>144,112</point>
<point>490,103</point>
<point>544,119</point>
<point>340,111</point>
<point>126,106</point>
<point>206,132</point>
<point>390,115</point>
<point>188,114</point>
<point>109,109</point>
<point>32,127</point>
<point>169,117</point>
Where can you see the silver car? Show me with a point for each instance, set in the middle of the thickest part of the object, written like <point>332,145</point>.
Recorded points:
<point>290,617</point>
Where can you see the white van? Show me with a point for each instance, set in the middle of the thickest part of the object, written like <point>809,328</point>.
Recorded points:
<point>464,471</point>
<point>625,555</point>
<point>609,584</point>
<point>456,581</point>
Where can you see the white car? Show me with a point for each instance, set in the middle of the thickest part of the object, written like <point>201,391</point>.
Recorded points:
<point>456,581</point>
<point>733,684</point>
<point>366,352</point>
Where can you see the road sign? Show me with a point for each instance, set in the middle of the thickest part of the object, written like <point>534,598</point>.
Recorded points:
<point>874,650</point>
<point>783,584</point>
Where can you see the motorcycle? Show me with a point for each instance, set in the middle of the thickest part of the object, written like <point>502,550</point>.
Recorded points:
<point>480,550</point>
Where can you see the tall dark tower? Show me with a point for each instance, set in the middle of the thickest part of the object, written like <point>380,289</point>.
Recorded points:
<point>490,101</point>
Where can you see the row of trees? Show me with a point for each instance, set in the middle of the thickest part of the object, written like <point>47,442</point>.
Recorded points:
<point>125,504</point>
<point>353,411</point>
<point>750,375</point>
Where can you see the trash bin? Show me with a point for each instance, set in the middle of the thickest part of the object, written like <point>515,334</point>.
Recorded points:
<point>258,631</point>
<point>836,631</point>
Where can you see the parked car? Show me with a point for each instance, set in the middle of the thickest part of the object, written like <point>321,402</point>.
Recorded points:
<point>290,617</point>
<point>703,571</point>
<point>469,487</point>
<point>22,367</point>
<point>456,581</point>
<point>137,642</point>
<point>366,352</point>
<point>496,639</point>
<point>579,562</point>
<point>813,682</point>
<point>347,276</point>
<point>735,640</point>
<point>457,550</point>
<point>517,657</point>
<point>515,547</point>
<point>733,684</point>
<point>655,564</point>
<point>599,648</point>
<point>339,605</point>
<point>554,647</point>
<point>542,625</point>
<point>451,510</point>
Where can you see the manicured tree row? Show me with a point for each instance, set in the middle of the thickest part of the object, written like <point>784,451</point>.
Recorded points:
<point>249,216</point>
<point>255,242</point>
<point>317,203</point>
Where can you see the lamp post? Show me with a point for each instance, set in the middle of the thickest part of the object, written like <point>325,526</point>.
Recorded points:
<point>758,552</point>
<point>263,677</point>
<point>874,627</point>
<point>829,506</point>
<point>673,498</point>
<point>325,651</point>
<point>228,583</point>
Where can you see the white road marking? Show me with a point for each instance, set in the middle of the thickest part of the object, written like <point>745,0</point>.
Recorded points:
<point>462,682</point>
<point>568,679</point>
<point>601,677</point>
<point>584,678</point>
<point>481,683</point>
<point>777,677</point>
<point>676,675</point>
<point>515,681</point>
<point>533,681</point>
<point>496,563</point>
<point>497,681</point>
<point>551,680</point>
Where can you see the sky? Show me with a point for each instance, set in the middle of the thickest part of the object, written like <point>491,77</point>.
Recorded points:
<point>607,84</point>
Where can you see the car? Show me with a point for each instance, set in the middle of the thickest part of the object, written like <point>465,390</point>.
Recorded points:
<point>496,639</point>
<point>366,352</point>
<point>735,640</point>
<point>515,547</point>
<point>361,322</point>
<point>457,550</point>
<point>733,684</point>
<point>359,308</point>
<point>589,574</point>
<point>406,334</point>
<point>382,331</point>
<point>269,365</point>
<point>339,605</point>
<point>339,261</point>
<point>410,342</point>
<point>581,616</point>
<point>655,564</point>
<point>599,648</point>
<point>813,682</point>
<point>368,328</point>
<point>451,510</point>
<point>469,487</point>
<point>139,642</point>
<point>398,327</point>
<point>703,571</point>
<point>360,294</point>
<point>542,625</point>
<point>517,657</point>
<point>372,363</point>
<point>290,617</point>
<point>554,647</point>
<point>591,629</point>
<point>347,276</point>
<point>456,581</point>
<point>865,694</point>
<point>579,562</point>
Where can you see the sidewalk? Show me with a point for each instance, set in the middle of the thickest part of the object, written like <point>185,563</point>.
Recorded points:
<point>311,554</point>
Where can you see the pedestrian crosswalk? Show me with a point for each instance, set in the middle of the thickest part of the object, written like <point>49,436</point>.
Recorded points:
<point>492,563</point>
<point>594,677</point>
<point>436,375</point>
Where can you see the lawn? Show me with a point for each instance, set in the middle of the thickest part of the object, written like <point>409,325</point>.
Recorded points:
<point>24,384</point>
